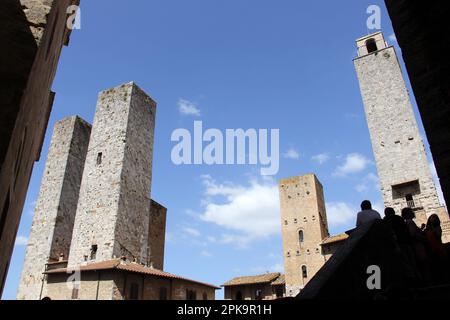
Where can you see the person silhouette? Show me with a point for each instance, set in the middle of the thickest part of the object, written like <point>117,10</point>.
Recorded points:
<point>437,252</point>
<point>367,214</point>
<point>419,244</point>
<point>398,225</point>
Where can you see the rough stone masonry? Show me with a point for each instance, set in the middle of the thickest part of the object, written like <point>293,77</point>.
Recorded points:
<point>51,232</point>
<point>400,155</point>
<point>112,218</point>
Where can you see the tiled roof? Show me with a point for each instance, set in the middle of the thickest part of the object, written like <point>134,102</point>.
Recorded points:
<point>264,278</point>
<point>334,239</point>
<point>118,264</point>
<point>279,281</point>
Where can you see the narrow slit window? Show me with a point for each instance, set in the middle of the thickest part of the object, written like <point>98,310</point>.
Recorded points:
<point>99,158</point>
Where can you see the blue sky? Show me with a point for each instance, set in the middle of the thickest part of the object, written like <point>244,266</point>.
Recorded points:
<point>232,64</point>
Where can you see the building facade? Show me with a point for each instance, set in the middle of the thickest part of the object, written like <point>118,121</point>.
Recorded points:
<point>403,167</point>
<point>307,245</point>
<point>51,232</point>
<point>32,35</point>
<point>97,234</point>
<point>268,286</point>
<point>419,26</point>
<point>115,188</point>
<point>303,228</point>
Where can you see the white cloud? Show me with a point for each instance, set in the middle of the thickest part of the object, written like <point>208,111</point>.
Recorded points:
<point>369,182</point>
<point>206,254</point>
<point>321,158</point>
<point>21,241</point>
<point>362,188</point>
<point>341,214</point>
<point>278,267</point>
<point>251,211</point>
<point>292,154</point>
<point>437,183</point>
<point>192,232</point>
<point>188,108</point>
<point>354,163</point>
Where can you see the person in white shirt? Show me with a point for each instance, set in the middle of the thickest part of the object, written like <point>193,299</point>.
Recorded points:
<point>367,214</point>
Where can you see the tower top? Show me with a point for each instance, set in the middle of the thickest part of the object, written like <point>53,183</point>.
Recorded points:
<point>371,43</point>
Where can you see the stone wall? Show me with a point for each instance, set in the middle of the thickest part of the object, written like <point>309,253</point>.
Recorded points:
<point>32,34</point>
<point>113,211</point>
<point>248,292</point>
<point>419,26</point>
<point>345,275</point>
<point>397,145</point>
<point>157,235</point>
<point>93,286</point>
<point>302,210</point>
<point>51,232</point>
<point>116,285</point>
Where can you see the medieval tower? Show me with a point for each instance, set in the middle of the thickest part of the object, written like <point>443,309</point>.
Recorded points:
<point>303,228</point>
<point>400,155</point>
<point>112,218</point>
<point>51,233</point>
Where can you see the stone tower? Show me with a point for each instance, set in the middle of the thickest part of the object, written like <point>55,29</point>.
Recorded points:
<point>113,211</point>
<point>54,217</point>
<point>157,235</point>
<point>303,227</point>
<point>399,151</point>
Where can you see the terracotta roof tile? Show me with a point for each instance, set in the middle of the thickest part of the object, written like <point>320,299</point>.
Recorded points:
<point>279,281</point>
<point>264,278</point>
<point>117,264</point>
<point>334,239</point>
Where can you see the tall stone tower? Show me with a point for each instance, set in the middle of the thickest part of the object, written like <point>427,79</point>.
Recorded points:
<point>303,227</point>
<point>399,151</point>
<point>54,217</point>
<point>157,235</point>
<point>113,211</point>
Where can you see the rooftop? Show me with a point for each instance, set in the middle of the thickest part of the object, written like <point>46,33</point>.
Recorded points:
<point>336,238</point>
<point>273,278</point>
<point>118,264</point>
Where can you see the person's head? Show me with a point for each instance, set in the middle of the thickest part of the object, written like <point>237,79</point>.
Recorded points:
<point>389,212</point>
<point>433,222</point>
<point>408,214</point>
<point>366,205</point>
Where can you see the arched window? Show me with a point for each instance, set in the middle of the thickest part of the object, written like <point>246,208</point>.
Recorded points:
<point>371,45</point>
<point>239,296</point>
<point>304,272</point>
<point>163,293</point>
<point>301,236</point>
